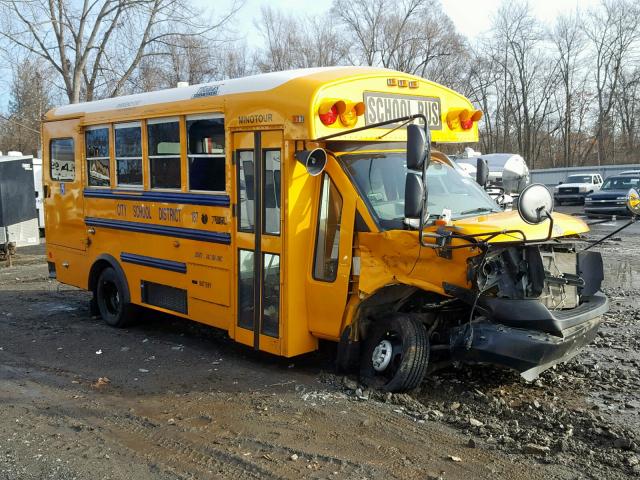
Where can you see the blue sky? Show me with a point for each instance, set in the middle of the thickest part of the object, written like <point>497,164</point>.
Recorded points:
<point>471,17</point>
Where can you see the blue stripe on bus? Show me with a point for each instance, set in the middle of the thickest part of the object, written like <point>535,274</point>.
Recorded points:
<point>154,262</point>
<point>177,232</point>
<point>167,197</point>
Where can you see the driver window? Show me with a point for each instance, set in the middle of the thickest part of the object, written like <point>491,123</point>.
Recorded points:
<point>325,266</point>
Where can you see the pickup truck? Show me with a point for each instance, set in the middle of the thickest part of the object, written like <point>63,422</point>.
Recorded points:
<point>577,187</point>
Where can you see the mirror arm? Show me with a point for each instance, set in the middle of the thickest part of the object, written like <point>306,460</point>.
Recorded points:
<point>550,232</point>
<point>630,222</point>
<point>425,165</point>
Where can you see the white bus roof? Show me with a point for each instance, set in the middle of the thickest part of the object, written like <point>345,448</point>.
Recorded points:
<point>254,83</point>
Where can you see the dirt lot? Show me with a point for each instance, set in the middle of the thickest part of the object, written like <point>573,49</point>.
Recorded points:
<point>170,399</point>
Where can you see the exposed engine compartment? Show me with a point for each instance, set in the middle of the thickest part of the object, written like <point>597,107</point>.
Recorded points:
<point>548,272</point>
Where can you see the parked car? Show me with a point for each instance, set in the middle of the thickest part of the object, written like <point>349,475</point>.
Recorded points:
<point>577,187</point>
<point>611,198</point>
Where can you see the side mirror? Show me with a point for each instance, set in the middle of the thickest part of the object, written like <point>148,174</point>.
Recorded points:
<point>535,203</point>
<point>413,195</point>
<point>633,202</point>
<point>416,147</point>
<point>313,160</point>
<point>560,183</point>
<point>482,172</point>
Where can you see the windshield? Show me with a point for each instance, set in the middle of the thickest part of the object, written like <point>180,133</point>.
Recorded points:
<point>579,179</point>
<point>621,183</point>
<point>380,178</point>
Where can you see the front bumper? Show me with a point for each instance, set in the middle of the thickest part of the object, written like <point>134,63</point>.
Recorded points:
<point>606,208</point>
<point>570,197</point>
<point>520,344</point>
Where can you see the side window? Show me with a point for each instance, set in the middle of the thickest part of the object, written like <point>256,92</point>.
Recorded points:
<point>246,191</point>
<point>62,160</point>
<point>325,265</point>
<point>205,151</point>
<point>271,189</point>
<point>163,137</point>
<point>96,142</point>
<point>128,154</point>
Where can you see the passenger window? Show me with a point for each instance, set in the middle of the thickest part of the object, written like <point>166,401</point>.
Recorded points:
<point>246,192</point>
<point>246,299</point>
<point>271,201</point>
<point>129,154</point>
<point>205,144</point>
<point>325,266</point>
<point>163,138</point>
<point>62,160</point>
<point>96,142</point>
<point>271,295</point>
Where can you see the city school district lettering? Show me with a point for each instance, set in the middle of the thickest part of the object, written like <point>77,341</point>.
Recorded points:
<point>381,107</point>
<point>165,214</point>
<point>169,214</point>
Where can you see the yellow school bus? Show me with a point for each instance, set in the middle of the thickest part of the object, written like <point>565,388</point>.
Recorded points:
<point>307,205</point>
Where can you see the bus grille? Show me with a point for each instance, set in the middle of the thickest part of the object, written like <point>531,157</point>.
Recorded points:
<point>164,296</point>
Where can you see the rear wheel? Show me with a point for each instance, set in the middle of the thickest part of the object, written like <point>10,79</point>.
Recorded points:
<point>395,354</point>
<point>110,299</point>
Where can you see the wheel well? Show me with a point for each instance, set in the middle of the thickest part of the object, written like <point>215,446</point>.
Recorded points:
<point>94,273</point>
<point>102,262</point>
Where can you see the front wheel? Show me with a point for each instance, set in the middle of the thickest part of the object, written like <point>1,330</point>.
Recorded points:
<point>110,299</point>
<point>395,354</point>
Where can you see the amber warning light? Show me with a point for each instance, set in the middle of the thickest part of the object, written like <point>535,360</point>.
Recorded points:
<point>461,118</point>
<point>347,112</point>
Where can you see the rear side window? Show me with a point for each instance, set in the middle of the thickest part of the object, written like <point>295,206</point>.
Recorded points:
<point>96,141</point>
<point>129,154</point>
<point>62,160</point>
<point>164,153</point>
<point>205,147</point>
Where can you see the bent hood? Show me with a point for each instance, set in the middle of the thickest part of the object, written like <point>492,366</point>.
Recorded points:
<point>563,225</point>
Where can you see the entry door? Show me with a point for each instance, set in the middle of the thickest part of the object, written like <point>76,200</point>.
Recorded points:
<point>63,185</point>
<point>259,224</point>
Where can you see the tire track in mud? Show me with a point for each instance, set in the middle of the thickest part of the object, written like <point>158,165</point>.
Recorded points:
<point>173,449</point>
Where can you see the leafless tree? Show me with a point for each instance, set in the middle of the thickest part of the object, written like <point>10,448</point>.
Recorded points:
<point>95,46</point>
<point>612,30</point>
<point>297,41</point>
<point>568,37</point>
<point>28,102</point>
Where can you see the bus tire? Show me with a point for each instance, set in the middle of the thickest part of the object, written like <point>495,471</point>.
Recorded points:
<point>395,354</point>
<point>110,298</point>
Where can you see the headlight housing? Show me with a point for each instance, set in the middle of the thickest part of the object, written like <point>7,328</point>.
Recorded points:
<point>583,188</point>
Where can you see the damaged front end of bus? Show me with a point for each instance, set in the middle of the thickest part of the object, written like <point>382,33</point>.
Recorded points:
<point>512,289</point>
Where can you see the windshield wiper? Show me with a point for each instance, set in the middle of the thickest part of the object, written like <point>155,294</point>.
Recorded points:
<point>477,210</point>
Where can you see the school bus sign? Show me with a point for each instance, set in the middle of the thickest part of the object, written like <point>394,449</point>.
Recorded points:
<point>381,107</point>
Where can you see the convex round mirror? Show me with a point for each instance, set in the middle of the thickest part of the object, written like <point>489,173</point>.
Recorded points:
<point>535,203</point>
<point>633,202</point>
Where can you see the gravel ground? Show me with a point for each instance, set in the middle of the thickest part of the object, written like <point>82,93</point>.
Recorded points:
<point>172,399</point>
